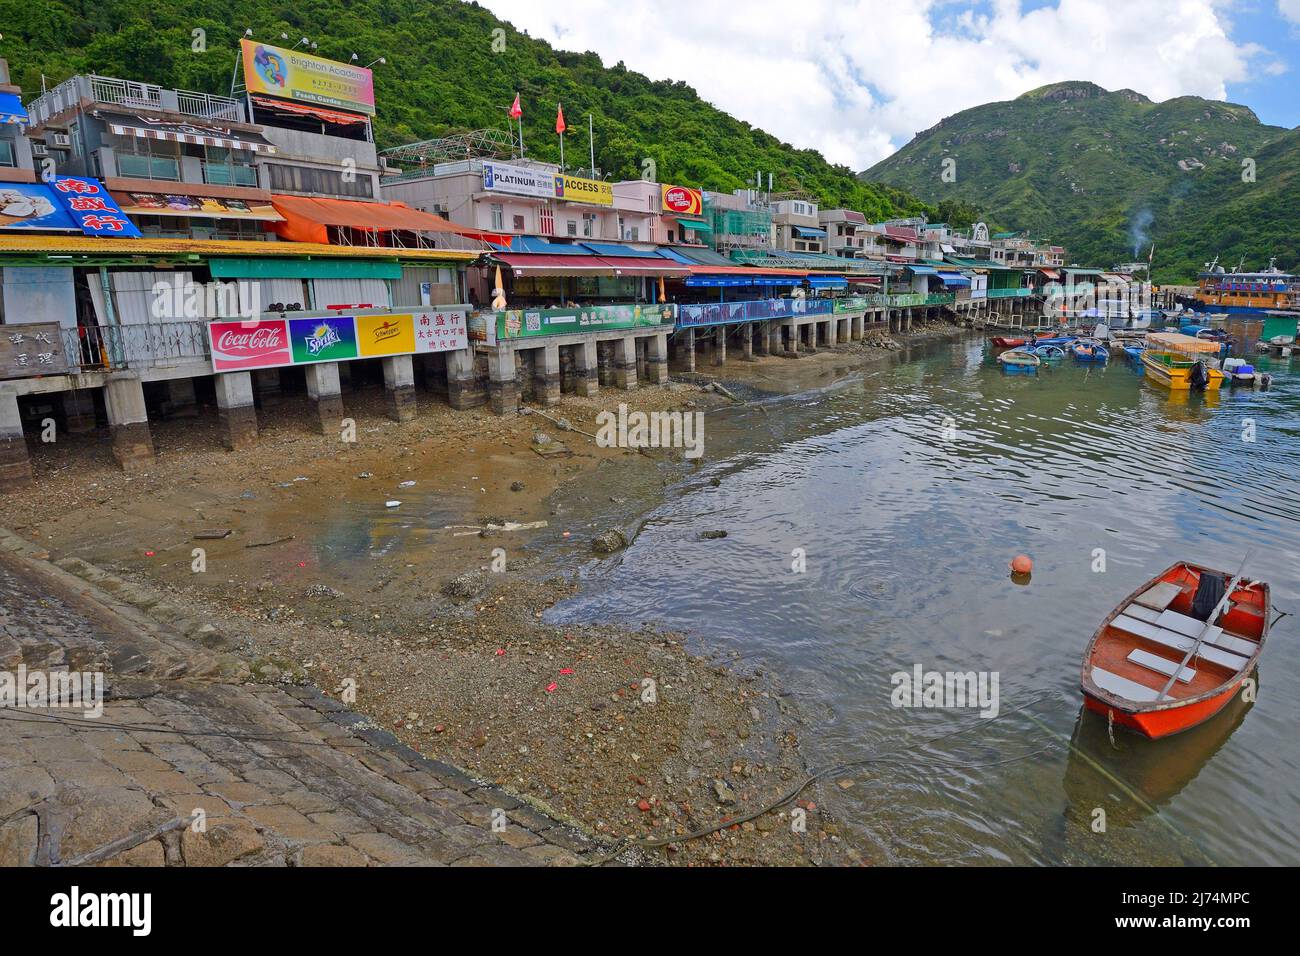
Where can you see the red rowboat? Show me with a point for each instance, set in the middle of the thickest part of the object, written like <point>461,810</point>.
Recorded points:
<point>1002,342</point>
<point>1130,665</point>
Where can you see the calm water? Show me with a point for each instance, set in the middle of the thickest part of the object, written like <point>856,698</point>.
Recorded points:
<point>907,532</point>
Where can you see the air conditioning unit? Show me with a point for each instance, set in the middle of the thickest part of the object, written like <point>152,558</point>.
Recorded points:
<point>61,139</point>
<point>39,149</point>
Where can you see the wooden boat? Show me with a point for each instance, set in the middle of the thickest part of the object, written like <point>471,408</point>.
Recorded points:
<point>1049,353</point>
<point>1170,359</point>
<point>1020,357</point>
<point>1157,668</point>
<point>1006,342</point>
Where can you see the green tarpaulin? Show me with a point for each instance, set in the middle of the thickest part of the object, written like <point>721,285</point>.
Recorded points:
<point>277,268</point>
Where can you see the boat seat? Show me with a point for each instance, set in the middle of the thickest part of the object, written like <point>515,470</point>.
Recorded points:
<point>1180,642</point>
<point>1161,665</point>
<point>1173,621</point>
<point>1122,686</point>
<point>1159,596</point>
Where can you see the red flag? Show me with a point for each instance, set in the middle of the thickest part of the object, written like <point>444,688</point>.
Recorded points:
<point>516,110</point>
<point>559,120</point>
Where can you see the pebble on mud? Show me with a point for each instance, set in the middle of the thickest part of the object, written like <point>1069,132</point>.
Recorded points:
<point>609,541</point>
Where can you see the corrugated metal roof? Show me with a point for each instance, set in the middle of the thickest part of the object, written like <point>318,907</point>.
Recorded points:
<point>88,245</point>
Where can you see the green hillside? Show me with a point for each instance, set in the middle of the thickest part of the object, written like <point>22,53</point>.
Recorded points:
<point>442,76</point>
<point>1108,172</point>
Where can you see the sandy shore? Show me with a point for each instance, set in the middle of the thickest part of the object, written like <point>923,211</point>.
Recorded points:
<point>624,733</point>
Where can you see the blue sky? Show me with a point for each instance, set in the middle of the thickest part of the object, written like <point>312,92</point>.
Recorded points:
<point>856,79</point>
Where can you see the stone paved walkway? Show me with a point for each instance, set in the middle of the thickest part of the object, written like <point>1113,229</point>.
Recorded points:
<point>283,775</point>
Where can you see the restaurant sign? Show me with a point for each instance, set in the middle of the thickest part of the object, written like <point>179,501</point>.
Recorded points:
<point>682,200</point>
<point>590,191</point>
<point>503,178</point>
<point>273,343</point>
<point>28,349</point>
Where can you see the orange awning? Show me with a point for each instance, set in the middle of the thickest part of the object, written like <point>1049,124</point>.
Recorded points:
<point>306,218</point>
<point>305,109</point>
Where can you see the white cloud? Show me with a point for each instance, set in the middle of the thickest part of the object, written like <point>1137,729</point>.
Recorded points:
<point>857,78</point>
<point>1289,9</point>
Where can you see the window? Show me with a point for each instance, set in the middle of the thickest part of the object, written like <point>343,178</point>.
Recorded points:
<point>6,153</point>
<point>519,223</point>
<point>309,179</point>
<point>572,227</point>
<point>589,225</point>
<point>223,167</point>
<point>498,216</point>
<point>547,216</point>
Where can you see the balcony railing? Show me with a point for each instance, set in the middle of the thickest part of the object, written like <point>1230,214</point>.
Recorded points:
<point>133,96</point>
<point>941,298</point>
<point>904,300</point>
<point>718,313</point>
<point>137,346</point>
<point>228,174</point>
<point>1009,293</point>
<point>148,167</point>
<point>859,303</point>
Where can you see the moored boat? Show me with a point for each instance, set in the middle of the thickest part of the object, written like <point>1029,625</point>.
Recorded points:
<point>1007,342</point>
<point>1180,362</point>
<point>1089,352</point>
<point>1020,357</point>
<point>1174,652</point>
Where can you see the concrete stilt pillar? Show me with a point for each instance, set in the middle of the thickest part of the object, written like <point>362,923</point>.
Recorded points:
<point>793,331</point>
<point>463,387</point>
<point>503,381</point>
<point>181,402</point>
<point>268,386</point>
<point>15,465</point>
<point>235,409</point>
<point>546,374</point>
<point>586,371</point>
<point>720,347</point>
<point>656,358</point>
<point>747,341</point>
<point>686,341</point>
<point>605,364</point>
<point>399,387</point>
<point>625,362</point>
<point>128,421</point>
<point>79,411</point>
<point>810,330</point>
<point>772,338</point>
<point>325,391</point>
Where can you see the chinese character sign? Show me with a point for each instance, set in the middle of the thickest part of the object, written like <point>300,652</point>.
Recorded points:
<point>28,349</point>
<point>92,208</point>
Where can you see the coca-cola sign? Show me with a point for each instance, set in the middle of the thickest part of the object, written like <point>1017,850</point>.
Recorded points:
<point>239,346</point>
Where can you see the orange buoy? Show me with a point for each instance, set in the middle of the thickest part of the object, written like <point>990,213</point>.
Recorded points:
<point>1022,564</point>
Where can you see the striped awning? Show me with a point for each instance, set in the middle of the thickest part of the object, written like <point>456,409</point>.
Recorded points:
<point>143,127</point>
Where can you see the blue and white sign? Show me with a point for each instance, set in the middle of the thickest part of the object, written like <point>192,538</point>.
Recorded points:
<point>503,178</point>
<point>91,207</point>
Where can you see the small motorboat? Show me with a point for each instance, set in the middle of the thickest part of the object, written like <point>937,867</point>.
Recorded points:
<point>1239,373</point>
<point>1048,352</point>
<point>1020,358</point>
<point>1089,352</point>
<point>1174,652</point>
<point>1061,340</point>
<point>1134,354</point>
<point>1006,342</point>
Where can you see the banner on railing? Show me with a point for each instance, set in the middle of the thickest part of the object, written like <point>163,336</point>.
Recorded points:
<point>720,313</point>
<point>490,328</point>
<point>272,343</point>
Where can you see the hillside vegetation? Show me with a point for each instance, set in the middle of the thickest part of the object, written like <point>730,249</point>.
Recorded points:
<point>442,76</point>
<point>1107,173</point>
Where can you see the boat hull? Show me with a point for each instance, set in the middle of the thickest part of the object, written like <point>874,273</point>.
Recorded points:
<point>1154,724</point>
<point>1177,379</point>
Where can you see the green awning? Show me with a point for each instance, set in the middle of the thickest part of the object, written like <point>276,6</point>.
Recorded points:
<point>285,268</point>
<point>695,225</point>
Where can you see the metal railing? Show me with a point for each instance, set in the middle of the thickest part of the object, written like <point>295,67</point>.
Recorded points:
<point>136,346</point>
<point>941,298</point>
<point>903,300</point>
<point>716,313</point>
<point>1008,293</point>
<point>133,96</point>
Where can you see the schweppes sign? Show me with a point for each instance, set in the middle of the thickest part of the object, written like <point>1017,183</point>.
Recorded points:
<point>590,191</point>
<point>682,200</point>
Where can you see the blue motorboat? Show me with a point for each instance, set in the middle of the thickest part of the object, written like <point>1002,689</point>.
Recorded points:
<point>1091,353</point>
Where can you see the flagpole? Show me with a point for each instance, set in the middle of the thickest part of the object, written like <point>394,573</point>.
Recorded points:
<point>561,152</point>
<point>591,139</point>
